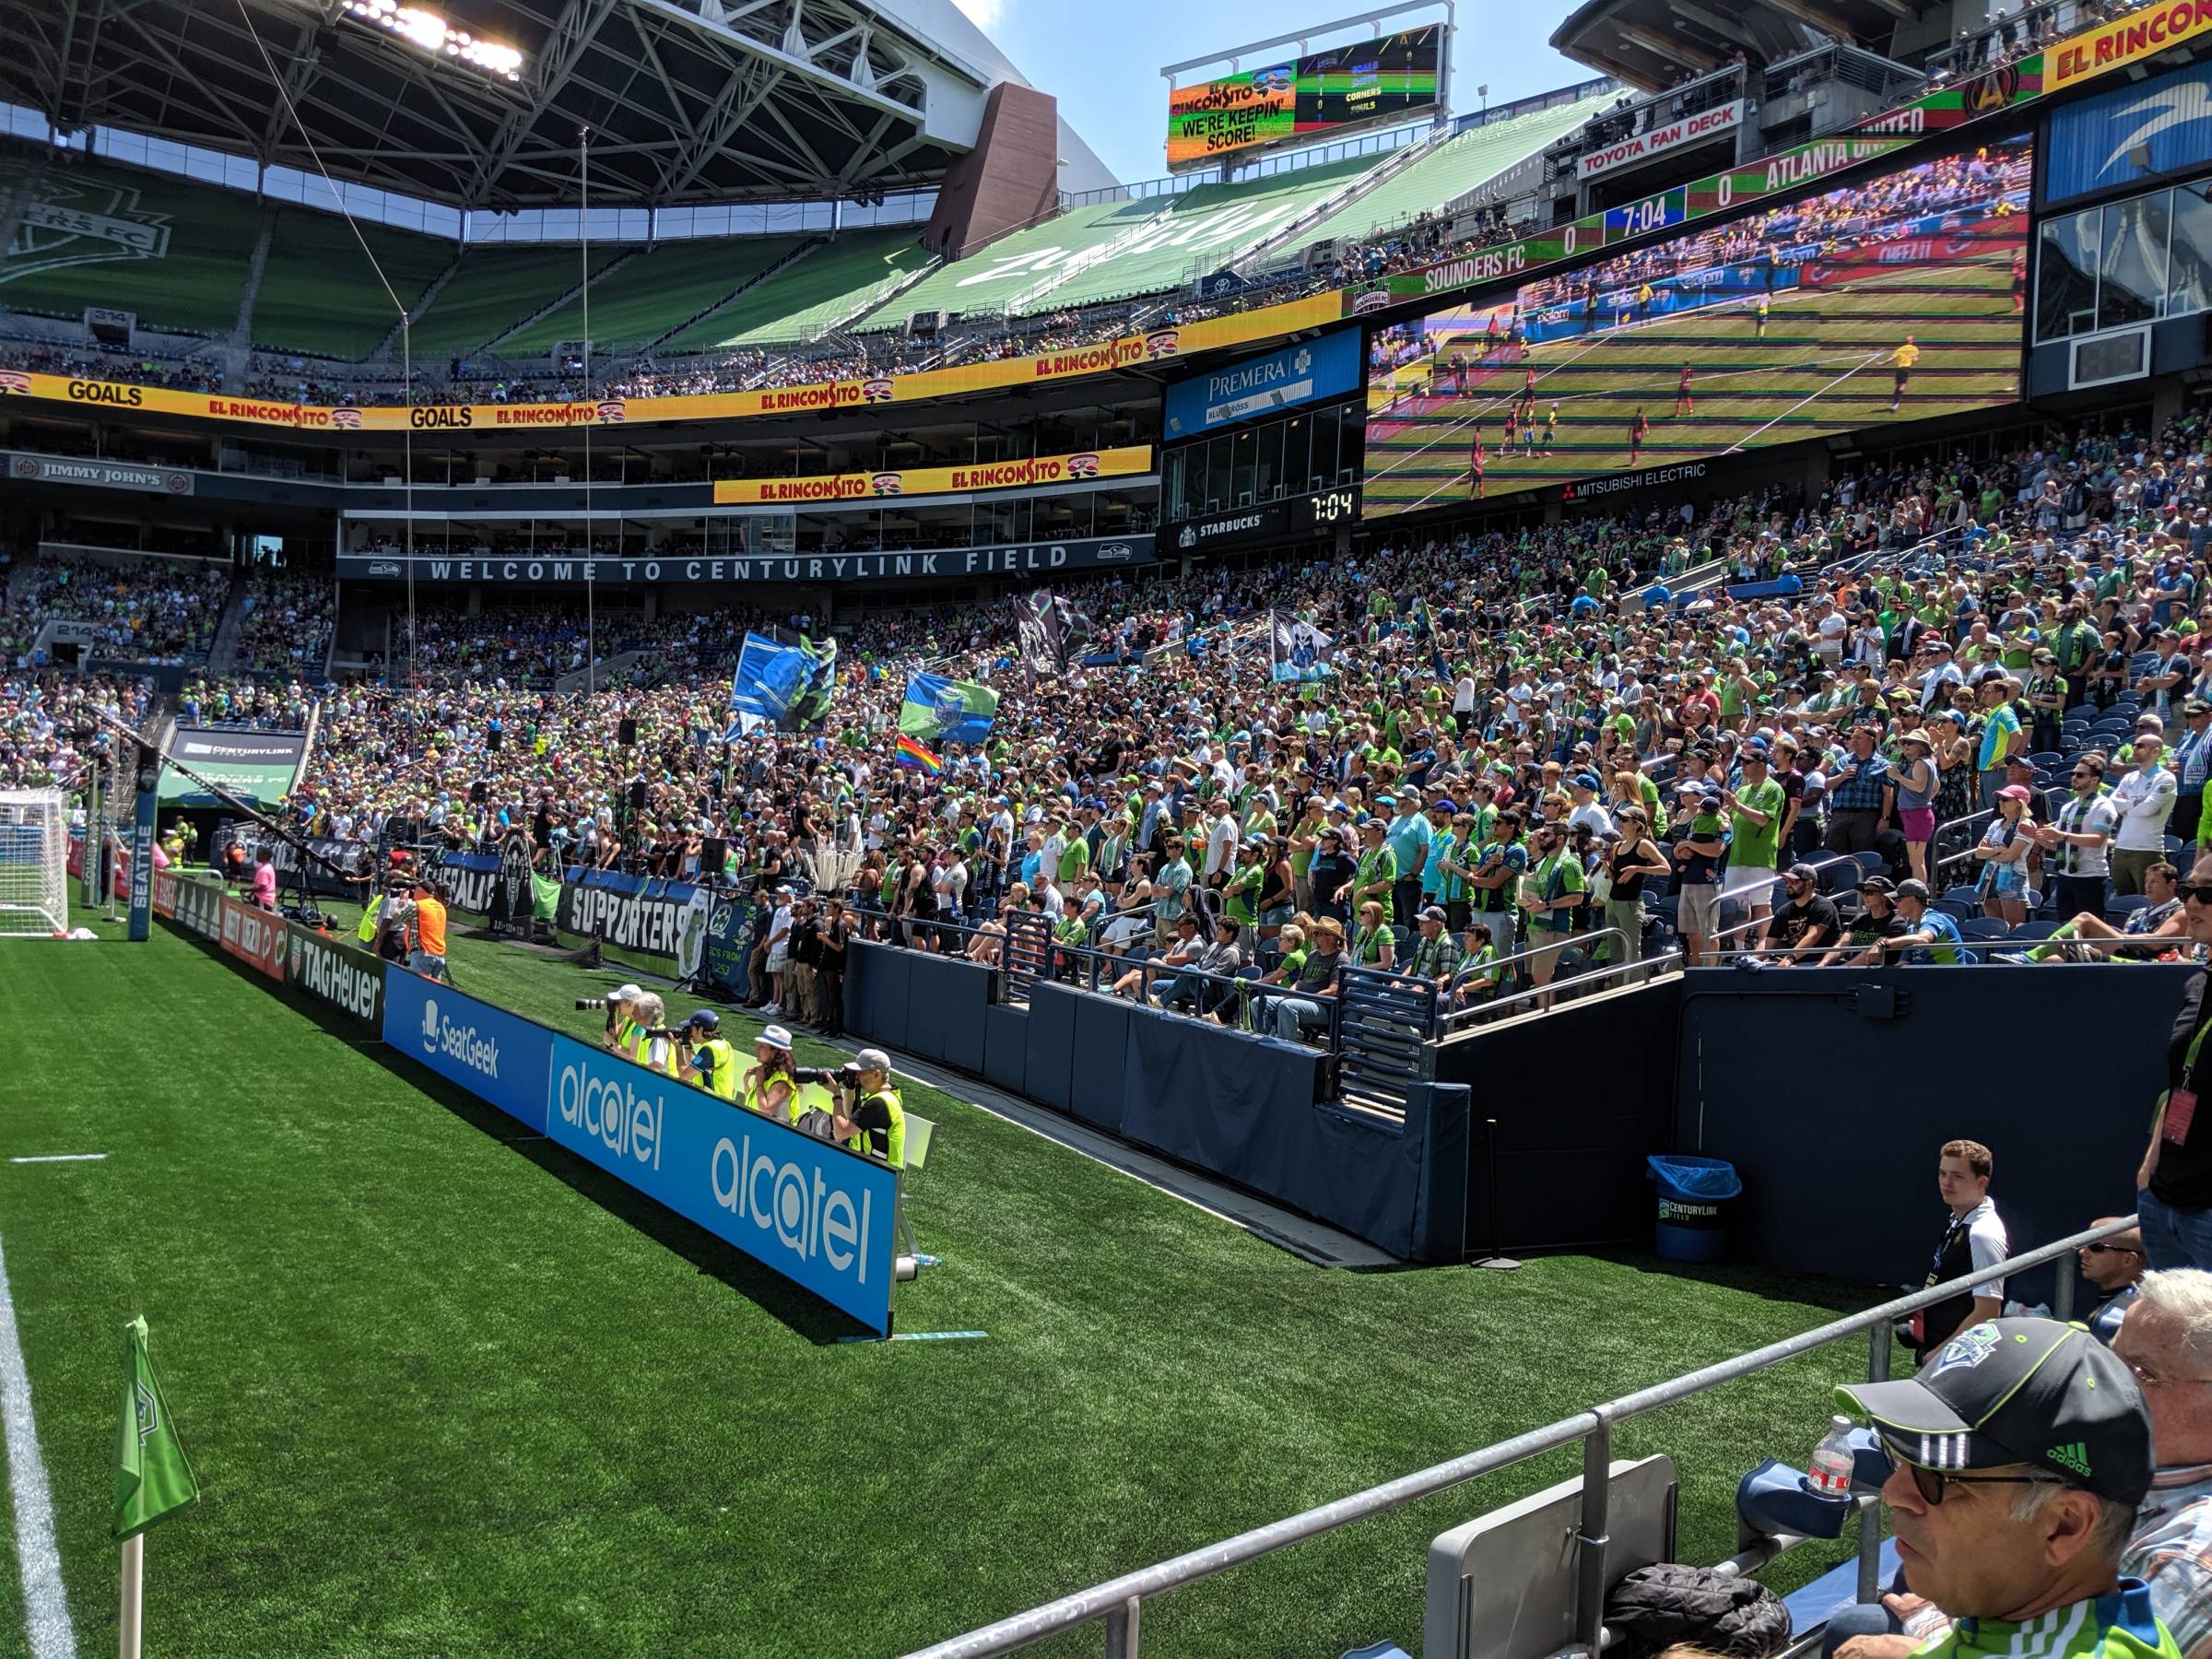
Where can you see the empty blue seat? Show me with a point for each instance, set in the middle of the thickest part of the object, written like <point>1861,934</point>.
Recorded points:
<point>2040,928</point>
<point>2121,906</point>
<point>1985,927</point>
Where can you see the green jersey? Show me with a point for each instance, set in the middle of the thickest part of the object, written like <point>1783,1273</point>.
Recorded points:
<point>1752,846</point>
<point>2120,1625</point>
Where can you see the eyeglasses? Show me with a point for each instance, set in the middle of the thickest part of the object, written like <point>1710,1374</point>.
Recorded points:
<point>2151,1379</point>
<point>1932,1484</point>
<point>2108,1250</point>
<point>2200,891</point>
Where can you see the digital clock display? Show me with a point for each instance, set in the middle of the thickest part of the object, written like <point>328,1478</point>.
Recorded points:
<point>1327,508</point>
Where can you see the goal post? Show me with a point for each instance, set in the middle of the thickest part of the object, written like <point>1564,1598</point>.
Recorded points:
<point>34,862</point>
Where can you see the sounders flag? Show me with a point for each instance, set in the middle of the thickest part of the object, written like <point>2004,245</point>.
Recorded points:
<point>153,1480</point>
<point>544,897</point>
<point>937,709</point>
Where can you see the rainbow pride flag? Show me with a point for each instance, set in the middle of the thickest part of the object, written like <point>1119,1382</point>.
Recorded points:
<point>912,753</point>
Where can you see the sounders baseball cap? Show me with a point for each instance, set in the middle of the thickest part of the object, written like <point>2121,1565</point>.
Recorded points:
<point>2018,1390</point>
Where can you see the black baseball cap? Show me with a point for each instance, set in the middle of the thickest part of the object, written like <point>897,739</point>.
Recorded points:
<point>2018,1390</point>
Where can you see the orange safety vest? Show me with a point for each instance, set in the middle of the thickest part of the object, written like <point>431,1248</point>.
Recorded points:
<point>430,926</point>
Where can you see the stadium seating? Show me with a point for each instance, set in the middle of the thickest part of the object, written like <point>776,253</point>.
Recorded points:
<point>655,292</point>
<point>497,287</point>
<point>1459,165</point>
<point>183,270</point>
<point>832,282</point>
<point>320,297</point>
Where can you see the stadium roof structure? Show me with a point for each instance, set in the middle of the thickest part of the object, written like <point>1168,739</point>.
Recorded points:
<point>1649,42</point>
<point>687,101</point>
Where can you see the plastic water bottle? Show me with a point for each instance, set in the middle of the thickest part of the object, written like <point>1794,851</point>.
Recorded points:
<point>1833,1463</point>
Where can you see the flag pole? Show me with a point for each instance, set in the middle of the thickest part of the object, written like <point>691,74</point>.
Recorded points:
<point>134,1589</point>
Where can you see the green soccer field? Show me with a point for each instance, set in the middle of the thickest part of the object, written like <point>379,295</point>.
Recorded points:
<point>1822,369</point>
<point>451,1391</point>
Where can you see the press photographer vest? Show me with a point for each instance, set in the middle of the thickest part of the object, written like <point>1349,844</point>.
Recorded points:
<point>722,1081</point>
<point>895,1141</point>
<point>366,932</point>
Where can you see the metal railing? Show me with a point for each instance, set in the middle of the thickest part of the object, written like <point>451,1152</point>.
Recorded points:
<point>1119,1601</point>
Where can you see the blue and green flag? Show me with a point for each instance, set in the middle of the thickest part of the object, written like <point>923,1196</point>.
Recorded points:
<point>939,711</point>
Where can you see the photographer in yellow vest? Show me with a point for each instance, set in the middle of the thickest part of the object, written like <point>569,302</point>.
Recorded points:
<point>705,1059</point>
<point>870,1116</point>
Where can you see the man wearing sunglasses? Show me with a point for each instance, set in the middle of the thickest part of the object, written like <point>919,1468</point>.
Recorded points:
<point>2018,1456</point>
<point>2115,1266</point>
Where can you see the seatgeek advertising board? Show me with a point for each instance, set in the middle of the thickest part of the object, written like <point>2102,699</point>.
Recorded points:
<point>1303,100</point>
<point>1809,320</point>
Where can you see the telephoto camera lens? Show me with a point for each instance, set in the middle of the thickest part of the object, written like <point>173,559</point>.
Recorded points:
<point>589,1002</point>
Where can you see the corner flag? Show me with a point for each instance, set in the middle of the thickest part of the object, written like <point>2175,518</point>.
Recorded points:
<point>153,1479</point>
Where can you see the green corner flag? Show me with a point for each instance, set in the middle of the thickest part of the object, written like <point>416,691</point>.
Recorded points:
<point>153,1478</point>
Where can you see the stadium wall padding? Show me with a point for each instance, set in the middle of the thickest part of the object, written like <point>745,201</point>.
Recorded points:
<point>2054,1068</point>
<point>1235,1105</point>
<point>1570,1104</point>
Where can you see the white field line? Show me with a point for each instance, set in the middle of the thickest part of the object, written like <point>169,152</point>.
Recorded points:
<point>46,1606</point>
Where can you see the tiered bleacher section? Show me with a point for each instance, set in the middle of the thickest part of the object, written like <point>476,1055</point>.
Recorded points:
<point>1457,166</point>
<point>1118,249</point>
<point>656,291</point>
<point>319,295</point>
<point>171,251</point>
<point>496,287</point>
<point>834,282</point>
<point>154,610</point>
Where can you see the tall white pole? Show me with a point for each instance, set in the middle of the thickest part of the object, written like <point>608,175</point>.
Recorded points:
<point>133,1586</point>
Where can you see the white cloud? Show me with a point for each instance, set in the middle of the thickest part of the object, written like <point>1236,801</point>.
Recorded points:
<point>986,15</point>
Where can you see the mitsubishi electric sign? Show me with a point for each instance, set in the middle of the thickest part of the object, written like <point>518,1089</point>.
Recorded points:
<point>1307,371</point>
<point>816,1213</point>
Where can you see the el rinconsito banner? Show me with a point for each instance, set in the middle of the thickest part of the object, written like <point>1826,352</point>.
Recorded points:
<point>1134,461</point>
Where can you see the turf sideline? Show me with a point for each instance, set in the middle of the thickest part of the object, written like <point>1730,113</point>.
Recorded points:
<point>46,1605</point>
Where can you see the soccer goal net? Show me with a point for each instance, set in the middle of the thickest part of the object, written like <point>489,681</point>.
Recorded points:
<point>34,852</point>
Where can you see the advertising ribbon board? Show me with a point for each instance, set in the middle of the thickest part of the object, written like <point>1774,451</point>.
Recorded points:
<point>1677,133</point>
<point>818,1214</point>
<point>501,1058</point>
<point>165,893</point>
<point>254,937</point>
<point>1132,461</point>
<point>337,973</point>
<point>200,907</point>
<point>1007,559</point>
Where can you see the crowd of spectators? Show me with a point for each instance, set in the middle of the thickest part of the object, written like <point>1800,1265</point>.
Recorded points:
<point>146,610</point>
<point>286,624</point>
<point>48,724</point>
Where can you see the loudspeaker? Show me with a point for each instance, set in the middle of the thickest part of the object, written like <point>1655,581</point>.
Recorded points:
<point>713,852</point>
<point>478,792</point>
<point>637,795</point>
<point>495,739</point>
<point>626,732</point>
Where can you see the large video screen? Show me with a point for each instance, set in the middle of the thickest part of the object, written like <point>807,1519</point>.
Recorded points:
<point>1307,97</point>
<point>1898,299</point>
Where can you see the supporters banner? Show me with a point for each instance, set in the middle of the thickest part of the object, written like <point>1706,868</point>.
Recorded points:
<point>809,1210</point>
<point>337,973</point>
<point>253,936</point>
<point>2131,40</point>
<point>165,893</point>
<point>1296,650</point>
<point>1132,461</point>
<point>257,766</point>
<point>470,878</point>
<point>1678,133</point>
<point>1009,559</point>
<point>200,907</point>
<point>938,711</point>
<point>502,1058</point>
<point>2129,133</point>
<point>639,914</point>
<point>726,933</point>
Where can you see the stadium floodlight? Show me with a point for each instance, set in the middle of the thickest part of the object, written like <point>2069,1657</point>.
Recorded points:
<point>34,852</point>
<point>433,34</point>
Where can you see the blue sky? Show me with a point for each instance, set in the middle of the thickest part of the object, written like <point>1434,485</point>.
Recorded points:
<point>1101,58</point>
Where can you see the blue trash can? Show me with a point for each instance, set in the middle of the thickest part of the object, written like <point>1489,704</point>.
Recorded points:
<point>1693,1199</point>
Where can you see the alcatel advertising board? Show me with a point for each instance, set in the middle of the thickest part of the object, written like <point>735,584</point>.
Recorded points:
<point>1656,357</point>
<point>1301,100</point>
<point>1305,373</point>
<point>499,1057</point>
<point>2130,134</point>
<point>816,1213</point>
